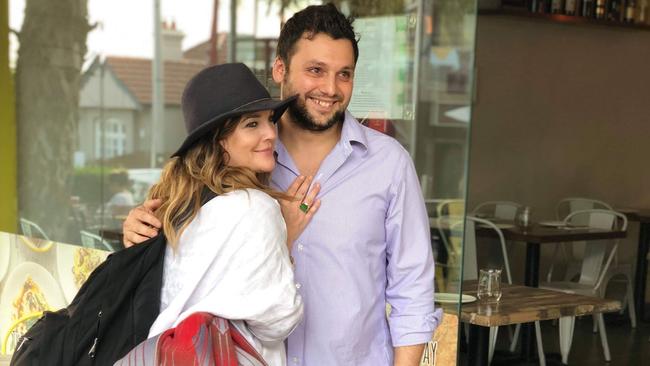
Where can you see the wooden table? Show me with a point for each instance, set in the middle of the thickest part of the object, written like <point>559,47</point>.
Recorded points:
<point>520,304</point>
<point>534,236</point>
<point>643,218</point>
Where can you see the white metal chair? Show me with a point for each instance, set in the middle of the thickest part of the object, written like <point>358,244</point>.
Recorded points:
<point>451,234</point>
<point>451,208</point>
<point>594,266</point>
<point>573,263</point>
<point>562,210</point>
<point>470,272</point>
<point>503,210</point>
<point>31,229</point>
<point>450,213</point>
<point>90,240</point>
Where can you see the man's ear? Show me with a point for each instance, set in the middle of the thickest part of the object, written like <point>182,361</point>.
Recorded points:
<point>279,70</point>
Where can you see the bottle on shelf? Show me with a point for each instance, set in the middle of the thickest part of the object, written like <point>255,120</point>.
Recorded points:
<point>601,9</point>
<point>630,11</point>
<point>543,6</point>
<point>643,12</point>
<point>557,6</point>
<point>571,7</point>
<point>614,12</point>
<point>588,8</point>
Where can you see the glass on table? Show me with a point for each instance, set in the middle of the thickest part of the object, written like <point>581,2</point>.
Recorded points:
<point>489,285</point>
<point>524,218</point>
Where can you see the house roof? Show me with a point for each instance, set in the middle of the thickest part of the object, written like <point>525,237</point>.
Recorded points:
<point>201,51</point>
<point>135,73</point>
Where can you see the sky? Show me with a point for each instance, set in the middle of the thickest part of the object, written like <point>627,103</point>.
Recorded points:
<point>126,26</point>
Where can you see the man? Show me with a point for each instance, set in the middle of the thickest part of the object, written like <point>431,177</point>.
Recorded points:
<point>369,243</point>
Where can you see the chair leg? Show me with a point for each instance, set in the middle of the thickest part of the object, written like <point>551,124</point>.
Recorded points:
<point>630,303</point>
<point>566,326</point>
<point>494,331</point>
<point>515,338</point>
<point>624,302</point>
<point>595,323</point>
<point>603,337</point>
<point>540,346</point>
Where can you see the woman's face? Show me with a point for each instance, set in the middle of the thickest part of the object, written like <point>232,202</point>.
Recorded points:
<point>251,145</point>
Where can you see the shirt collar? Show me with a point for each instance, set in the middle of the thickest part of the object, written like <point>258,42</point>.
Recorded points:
<point>352,134</point>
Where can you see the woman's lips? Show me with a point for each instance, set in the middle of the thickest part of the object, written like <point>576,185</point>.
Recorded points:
<point>265,151</point>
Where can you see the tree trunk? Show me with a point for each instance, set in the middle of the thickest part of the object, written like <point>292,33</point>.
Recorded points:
<point>48,75</point>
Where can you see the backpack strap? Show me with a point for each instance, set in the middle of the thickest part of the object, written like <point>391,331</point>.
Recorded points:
<point>207,195</point>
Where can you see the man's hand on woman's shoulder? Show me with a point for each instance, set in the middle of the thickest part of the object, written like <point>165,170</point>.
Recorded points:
<point>141,223</point>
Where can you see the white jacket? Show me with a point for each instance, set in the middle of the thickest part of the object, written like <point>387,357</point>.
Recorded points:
<point>233,261</point>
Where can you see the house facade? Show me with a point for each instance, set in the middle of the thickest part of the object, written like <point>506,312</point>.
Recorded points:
<point>115,115</point>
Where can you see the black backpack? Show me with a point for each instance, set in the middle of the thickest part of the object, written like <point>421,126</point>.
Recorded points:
<point>111,313</point>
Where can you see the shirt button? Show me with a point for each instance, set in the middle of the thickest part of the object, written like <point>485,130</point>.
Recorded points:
<point>295,360</point>
<point>298,286</point>
<point>301,247</point>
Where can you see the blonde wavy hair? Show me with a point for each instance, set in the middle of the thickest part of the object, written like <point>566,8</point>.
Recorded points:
<point>204,165</point>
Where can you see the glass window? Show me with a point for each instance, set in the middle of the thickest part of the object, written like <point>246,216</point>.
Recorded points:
<point>97,121</point>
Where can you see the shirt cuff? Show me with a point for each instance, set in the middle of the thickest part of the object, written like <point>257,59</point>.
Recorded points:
<point>409,330</point>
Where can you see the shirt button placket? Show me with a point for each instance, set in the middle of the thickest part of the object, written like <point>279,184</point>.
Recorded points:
<point>300,247</point>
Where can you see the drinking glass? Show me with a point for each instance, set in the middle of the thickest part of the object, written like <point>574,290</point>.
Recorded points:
<point>489,285</point>
<point>524,219</point>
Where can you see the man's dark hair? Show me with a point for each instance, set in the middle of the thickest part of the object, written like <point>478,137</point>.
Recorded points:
<point>313,20</point>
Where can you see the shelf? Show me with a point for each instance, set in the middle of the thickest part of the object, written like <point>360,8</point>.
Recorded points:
<point>563,19</point>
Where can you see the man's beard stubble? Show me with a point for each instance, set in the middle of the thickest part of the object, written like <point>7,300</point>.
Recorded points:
<point>302,119</point>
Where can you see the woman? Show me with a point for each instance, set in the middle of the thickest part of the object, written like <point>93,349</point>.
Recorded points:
<point>229,256</point>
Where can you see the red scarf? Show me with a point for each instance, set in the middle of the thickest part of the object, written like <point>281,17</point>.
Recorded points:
<point>200,339</point>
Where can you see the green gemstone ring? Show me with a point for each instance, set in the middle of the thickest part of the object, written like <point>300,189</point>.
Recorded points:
<point>304,207</point>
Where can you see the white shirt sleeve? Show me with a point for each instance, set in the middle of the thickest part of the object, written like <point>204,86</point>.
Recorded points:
<point>239,267</point>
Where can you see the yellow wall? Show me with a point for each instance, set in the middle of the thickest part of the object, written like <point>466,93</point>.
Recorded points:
<point>8,194</point>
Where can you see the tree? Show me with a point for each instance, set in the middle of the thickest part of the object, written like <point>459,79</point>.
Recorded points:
<point>357,7</point>
<point>366,8</point>
<point>48,74</point>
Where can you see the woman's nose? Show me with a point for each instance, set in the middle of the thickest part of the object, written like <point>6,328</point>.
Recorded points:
<point>270,131</point>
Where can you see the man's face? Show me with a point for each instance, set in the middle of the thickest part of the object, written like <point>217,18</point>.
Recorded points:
<point>321,72</point>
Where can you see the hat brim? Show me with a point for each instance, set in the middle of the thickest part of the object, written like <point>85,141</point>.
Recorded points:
<point>277,106</point>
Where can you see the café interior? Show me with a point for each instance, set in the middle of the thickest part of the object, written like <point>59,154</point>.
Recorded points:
<point>527,122</point>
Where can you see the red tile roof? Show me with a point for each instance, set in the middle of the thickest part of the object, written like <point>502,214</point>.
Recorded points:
<point>201,51</point>
<point>135,73</point>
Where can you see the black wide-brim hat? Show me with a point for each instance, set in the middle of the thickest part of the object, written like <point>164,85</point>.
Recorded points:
<point>218,93</point>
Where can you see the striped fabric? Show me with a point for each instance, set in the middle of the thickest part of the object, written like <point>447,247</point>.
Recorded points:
<point>201,339</point>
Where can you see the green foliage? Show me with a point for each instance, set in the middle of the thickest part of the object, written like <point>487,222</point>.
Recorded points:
<point>88,184</point>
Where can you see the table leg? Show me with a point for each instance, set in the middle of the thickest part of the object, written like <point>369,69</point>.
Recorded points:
<point>641,270</point>
<point>479,343</point>
<point>532,264</point>
<point>528,351</point>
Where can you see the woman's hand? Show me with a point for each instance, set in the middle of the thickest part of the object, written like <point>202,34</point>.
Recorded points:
<point>298,212</point>
<point>141,224</point>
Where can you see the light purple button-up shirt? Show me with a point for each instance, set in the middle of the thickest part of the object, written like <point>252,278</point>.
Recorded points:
<point>367,245</point>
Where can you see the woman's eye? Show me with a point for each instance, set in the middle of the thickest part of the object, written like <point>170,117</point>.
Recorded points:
<point>251,124</point>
